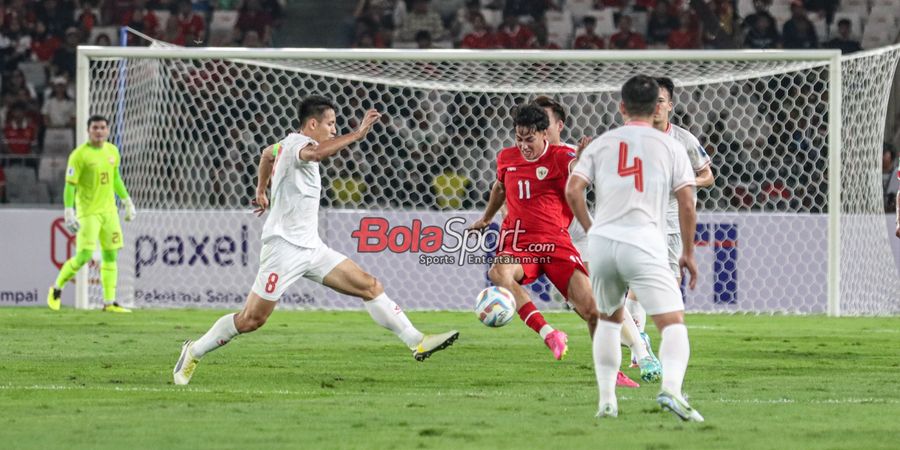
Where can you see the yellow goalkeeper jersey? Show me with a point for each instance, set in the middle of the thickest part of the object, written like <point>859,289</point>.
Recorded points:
<point>92,170</point>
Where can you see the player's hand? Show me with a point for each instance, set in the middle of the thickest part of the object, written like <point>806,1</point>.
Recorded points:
<point>479,224</point>
<point>688,262</point>
<point>584,142</point>
<point>368,120</point>
<point>130,212</point>
<point>71,222</point>
<point>261,202</point>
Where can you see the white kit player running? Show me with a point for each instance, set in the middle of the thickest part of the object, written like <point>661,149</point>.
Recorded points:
<point>700,163</point>
<point>640,348</point>
<point>634,169</point>
<point>292,248</point>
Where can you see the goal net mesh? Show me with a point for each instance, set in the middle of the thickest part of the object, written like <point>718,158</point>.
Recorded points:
<point>191,131</point>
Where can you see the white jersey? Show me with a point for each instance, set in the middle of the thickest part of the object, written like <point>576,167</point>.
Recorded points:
<point>576,231</point>
<point>634,169</point>
<point>699,160</point>
<point>296,187</point>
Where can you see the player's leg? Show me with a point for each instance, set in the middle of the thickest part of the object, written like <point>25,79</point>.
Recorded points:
<point>338,272</point>
<point>609,291</point>
<point>637,312</point>
<point>85,243</point>
<point>254,315</point>
<point>110,243</point>
<point>510,276</point>
<point>651,279</point>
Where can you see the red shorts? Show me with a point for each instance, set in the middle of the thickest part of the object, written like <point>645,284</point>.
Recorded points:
<point>559,265</point>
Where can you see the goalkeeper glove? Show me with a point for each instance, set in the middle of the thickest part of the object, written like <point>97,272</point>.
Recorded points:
<point>130,212</point>
<point>71,222</point>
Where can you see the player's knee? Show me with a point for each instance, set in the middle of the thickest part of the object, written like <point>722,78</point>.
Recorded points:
<point>497,276</point>
<point>81,258</point>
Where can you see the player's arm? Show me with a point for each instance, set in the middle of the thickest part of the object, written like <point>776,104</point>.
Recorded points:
<point>263,175</point>
<point>495,201</point>
<point>577,201</point>
<point>705,177</point>
<point>122,192</point>
<point>324,150</point>
<point>687,219</point>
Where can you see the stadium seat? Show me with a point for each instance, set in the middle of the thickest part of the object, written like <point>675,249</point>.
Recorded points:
<point>606,24</point>
<point>35,73</point>
<point>20,184</point>
<point>559,27</point>
<point>111,32</point>
<point>860,7</point>
<point>221,27</point>
<point>58,141</point>
<point>52,171</point>
<point>580,8</point>
<point>856,23</point>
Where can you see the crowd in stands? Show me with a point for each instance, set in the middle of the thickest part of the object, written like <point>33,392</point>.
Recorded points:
<point>38,40</point>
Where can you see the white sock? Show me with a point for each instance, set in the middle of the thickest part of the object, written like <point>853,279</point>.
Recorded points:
<point>637,313</point>
<point>545,330</point>
<point>631,337</point>
<point>387,314</point>
<point>607,358</point>
<point>220,334</point>
<point>674,352</point>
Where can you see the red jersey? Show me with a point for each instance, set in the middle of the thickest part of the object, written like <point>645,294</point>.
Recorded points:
<point>536,195</point>
<point>585,42</point>
<point>519,36</point>
<point>482,40</point>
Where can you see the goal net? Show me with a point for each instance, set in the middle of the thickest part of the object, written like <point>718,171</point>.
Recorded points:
<point>794,222</point>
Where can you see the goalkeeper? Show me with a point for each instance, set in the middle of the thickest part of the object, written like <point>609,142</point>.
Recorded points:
<point>92,182</point>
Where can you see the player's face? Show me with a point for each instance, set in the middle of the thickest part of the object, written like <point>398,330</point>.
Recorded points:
<point>325,127</point>
<point>664,108</point>
<point>98,131</point>
<point>554,131</point>
<point>530,141</point>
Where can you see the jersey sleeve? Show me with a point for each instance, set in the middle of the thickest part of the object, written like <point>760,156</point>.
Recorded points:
<point>73,169</point>
<point>501,167</point>
<point>584,168</point>
<point>682,172</point>
<point>297,147</point>
<point>564,158</point>
<point>696,153</point>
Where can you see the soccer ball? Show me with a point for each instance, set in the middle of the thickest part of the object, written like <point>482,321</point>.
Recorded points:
<point>495,306</point>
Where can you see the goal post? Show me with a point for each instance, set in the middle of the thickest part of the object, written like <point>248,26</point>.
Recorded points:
<point>775,122</point>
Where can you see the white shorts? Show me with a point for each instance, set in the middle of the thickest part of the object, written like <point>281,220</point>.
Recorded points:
<point>616,266</point>
<point>673,241</point>
<point>282,263</point>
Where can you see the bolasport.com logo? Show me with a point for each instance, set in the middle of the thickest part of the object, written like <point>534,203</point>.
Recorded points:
<point>452,243</point>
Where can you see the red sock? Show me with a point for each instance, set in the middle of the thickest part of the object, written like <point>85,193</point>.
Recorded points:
<point>532,317</point>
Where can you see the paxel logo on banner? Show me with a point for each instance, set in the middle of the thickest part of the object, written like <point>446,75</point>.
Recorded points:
<point>723,238</point>
<point>62,243</point>
<point>188,250</point>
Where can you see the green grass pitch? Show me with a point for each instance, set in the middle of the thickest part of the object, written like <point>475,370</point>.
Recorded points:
<point>85,379</point>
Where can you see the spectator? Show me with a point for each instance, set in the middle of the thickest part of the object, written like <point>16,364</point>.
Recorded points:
<point>824,7</point>
<point>661,24</point>
<point>43,44</point>
<point>16,84</point>
<point>142,19</point>
<point>889,178</point>
<point>512,34</point>
<point>520,8</point>
<point>541,39</point>
<point>843,41</point>
<point>17,42</point>
<point>686,36</point>
<point>87,17</point>
<point>253,18</point>
<point>66,57</point>
<point>102,40</point>
<point>465,17</point>
<point>798,31</point>
<point>57,16</point>
<point>763,34</point>
<point>589,40</point>
<point>186,26</point>
<point>59,109</point>
<point>761,8</point>
<point>481,36</point>
<point>423,40</point>
<point>251,40</point>
<point>625,39</point>
<point>20,133</point>
<point>421,18</point>
<point>367,34</point>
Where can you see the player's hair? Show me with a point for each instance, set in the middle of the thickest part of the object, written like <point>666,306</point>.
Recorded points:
<point>530,116</point>
<point>546,102</point>
<point>314,106</point>
<point>97,118</point>
<point>667,84</point>
<point>640,94</point>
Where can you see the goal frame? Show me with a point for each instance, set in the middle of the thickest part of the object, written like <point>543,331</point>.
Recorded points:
<point>832,58</point>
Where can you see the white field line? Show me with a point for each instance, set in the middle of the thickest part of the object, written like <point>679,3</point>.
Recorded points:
<point>175,389</point>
